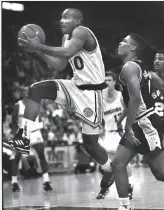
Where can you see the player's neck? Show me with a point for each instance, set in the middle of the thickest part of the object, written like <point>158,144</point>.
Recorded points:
<point>129,57</point>
<point>112,93</point>
<point>24,101</point>
<point>161,75</point>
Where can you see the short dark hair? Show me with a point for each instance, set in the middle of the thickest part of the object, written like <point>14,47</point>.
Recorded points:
<point>112,74</point>
<point>77,13</point>
<point>161,51</point>
<point>145,51</point>
<point>140,42</point>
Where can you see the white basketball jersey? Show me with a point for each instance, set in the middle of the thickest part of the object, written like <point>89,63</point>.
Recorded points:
<point>21,110</point>
<point>112,111</point>
<point>88,67</point>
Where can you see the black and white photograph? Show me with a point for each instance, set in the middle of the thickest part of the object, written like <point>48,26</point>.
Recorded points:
<point>82,105</point>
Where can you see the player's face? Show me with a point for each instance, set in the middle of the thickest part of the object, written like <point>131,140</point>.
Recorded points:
<point>24,93</point>
<point>110,82</point>
<point>159,62</point>
<point>124,47</point>
<point>67,22</point>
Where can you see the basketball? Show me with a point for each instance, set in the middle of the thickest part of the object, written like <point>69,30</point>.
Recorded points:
<point>30,30</point>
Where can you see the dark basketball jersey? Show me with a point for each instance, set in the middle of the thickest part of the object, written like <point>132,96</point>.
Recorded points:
<point>154,101</point>
<point>158,101</point>
<point>158,104</point>
<point>147,124</point>
<point>144,78</point>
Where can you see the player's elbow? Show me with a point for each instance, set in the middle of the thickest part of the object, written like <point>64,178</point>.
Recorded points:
<point>67,55</point>
<point>60,65</point>
<point>57,68</point>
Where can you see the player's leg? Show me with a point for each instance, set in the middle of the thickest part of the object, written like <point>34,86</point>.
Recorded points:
<point>129,171</point>
<point>108,179</point>
<point>37,92</point>
<point>90,137</point>
<point>39,148</point>
<point>155,160</point>
<point>155,152</point>
<point>14,178</point>
<point>124,154</point>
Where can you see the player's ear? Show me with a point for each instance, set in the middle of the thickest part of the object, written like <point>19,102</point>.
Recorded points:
<point>78,22</point>
<point>133,48</point>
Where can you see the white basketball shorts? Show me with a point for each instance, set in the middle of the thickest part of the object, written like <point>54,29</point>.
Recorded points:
<point>87,104</point>
<point>36,137</point>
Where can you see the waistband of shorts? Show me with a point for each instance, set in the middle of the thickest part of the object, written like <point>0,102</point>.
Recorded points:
<point>100,86</point>
<point>146,113</point>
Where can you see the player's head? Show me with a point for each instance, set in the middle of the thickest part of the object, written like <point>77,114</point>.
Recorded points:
<point>110,80</point>
<point>131,44</point>
<point>71,18</point>
<point>159,61</point>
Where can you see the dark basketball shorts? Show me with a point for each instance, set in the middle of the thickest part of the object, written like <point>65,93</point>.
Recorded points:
<point>149,136</point>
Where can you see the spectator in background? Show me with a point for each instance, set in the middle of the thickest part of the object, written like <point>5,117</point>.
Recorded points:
<point>37,144</point>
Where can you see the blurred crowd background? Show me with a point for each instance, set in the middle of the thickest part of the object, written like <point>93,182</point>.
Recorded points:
<point>110,21</point>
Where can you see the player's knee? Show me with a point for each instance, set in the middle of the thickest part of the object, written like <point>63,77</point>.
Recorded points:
<point>159,176</point>
<point>88,146</point>
<point>117,164</point>
<point>40,154</point>
<point>43,90</point>
<point>34,93</point>
<point>101,170</point>
<point>90,142</point>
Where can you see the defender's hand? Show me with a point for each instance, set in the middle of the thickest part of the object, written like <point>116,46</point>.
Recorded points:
<point>129,134</point>
<point>120,129</point>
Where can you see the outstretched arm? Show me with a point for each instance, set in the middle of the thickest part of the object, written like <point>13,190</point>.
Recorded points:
<point>79,36</point>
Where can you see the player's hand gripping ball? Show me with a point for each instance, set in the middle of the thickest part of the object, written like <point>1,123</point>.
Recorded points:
<point>29,35</point>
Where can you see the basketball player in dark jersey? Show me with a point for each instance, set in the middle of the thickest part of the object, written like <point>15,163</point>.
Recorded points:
<point>140,135</point>
<point>152,96</point>
<point>156,94</point>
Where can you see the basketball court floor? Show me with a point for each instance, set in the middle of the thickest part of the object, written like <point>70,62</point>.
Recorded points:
<point>78,192</point>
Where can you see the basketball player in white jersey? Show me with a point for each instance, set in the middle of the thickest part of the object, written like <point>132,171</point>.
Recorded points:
<point>36,144</point>
<point>114,112</point>
<point>83,92</point>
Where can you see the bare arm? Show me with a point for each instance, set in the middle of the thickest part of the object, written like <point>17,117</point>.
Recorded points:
<point>79,36</point>
<point>157,82</point>
<point>120,119</point>
<point>131,76</point>
<point>122,116</point>
<point>15,118</point>
<point>54,63</point>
